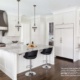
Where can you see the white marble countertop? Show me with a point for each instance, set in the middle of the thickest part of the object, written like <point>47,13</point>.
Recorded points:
<point>20,48</point>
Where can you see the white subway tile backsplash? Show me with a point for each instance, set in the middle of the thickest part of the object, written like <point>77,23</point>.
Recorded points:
<point>9,39</point>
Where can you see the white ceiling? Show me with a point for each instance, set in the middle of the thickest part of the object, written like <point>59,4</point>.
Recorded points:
<point>44,7</point>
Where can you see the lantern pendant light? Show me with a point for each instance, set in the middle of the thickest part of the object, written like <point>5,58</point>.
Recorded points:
<point>18,24</point>
<point>34,27</point>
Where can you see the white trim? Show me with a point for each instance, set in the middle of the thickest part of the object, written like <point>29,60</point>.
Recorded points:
<point>65,10</point>
<point>3,28</point>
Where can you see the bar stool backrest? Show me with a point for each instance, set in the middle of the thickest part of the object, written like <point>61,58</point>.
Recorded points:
<point>48,50</point>
<point>31,55</point>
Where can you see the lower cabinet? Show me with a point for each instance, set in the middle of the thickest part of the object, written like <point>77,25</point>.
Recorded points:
<point>8,63</point>
<point>64,42</point>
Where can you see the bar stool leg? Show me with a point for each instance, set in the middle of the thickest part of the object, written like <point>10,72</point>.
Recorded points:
<point>46,66</point>
<point>30,73</point>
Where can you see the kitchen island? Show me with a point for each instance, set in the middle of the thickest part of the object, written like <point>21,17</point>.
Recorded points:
<point>12,61</point>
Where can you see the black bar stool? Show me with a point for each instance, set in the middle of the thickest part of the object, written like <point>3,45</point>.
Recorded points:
<point>47,52</point>
<point>30,55</point>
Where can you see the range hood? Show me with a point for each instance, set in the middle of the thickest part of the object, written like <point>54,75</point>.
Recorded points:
<point>3,22</point>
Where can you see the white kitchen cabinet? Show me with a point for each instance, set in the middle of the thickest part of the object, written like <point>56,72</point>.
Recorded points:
<point>22,63</point>
<point>25,33</point>
<point>67,43</point>
<point>64,41</point>
<point>64,17</point>
<point>70,36</point>
<point>35,37</point>
<point>12,29</point>
<point>69,17</point>
<point>8,64</point>
<point>42,33</point>
<point>39,35</point>
<point>58,48</point>
<point>58,19</point>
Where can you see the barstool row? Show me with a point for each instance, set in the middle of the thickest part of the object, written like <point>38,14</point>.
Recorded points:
<point>32,55</point>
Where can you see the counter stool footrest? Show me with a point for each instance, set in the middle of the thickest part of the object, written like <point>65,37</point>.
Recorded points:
<point>46,66</point>
<point>30,73</point>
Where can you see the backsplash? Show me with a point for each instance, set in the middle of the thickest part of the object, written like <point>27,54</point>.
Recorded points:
<point>9,39</point>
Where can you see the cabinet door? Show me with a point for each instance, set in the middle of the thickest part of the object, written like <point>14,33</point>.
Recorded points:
<point>12,29</point>
<point>69,17</point>
<point>25,33</point>
<point>35,35</point>
<point>42,34</point>
<point>67,43</point>
<point>58,44</point>
<point>58,19</point>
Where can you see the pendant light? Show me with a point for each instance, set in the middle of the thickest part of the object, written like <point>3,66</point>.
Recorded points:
<point>34,27</point>
<point>18,24</point>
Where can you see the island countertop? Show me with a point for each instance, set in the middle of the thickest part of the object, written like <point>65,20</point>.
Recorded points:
<point>20,48</point>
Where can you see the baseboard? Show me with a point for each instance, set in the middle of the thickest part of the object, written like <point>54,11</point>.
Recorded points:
<point>5,71</point>
<point>64,58</point>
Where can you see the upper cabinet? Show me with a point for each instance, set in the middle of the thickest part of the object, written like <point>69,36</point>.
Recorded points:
<point>12,29</point>
<point>58,18</point>
<point>64,17</point>
<point>38,36</point>
<point>69,17</point>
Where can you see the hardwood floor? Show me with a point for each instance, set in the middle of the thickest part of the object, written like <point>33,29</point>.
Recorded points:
<point>3,76</point>
<point>52,74</point>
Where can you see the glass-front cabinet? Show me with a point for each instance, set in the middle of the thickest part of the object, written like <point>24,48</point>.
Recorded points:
<point>51,33</point>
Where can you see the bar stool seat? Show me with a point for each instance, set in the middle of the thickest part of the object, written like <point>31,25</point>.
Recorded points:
<point>30,55</point>
<point>46,52</point>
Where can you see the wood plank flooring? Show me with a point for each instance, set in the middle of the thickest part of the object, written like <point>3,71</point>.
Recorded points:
<point>52,74</point>
<point>3,76</point>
